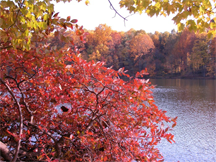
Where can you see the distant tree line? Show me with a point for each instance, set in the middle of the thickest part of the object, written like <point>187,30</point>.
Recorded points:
<point>175,54</point>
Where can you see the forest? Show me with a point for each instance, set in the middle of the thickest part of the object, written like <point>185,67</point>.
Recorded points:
<point>183,54</point>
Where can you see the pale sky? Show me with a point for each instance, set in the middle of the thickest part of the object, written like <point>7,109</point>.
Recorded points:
<point>99,12</point>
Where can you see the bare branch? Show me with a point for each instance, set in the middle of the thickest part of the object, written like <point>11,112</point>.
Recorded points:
<point>116,12</point>
<point>101,127</point>
<point>21,119</point>
<point>45,132</point>
<point>23,101</point>
<point>57,146</point>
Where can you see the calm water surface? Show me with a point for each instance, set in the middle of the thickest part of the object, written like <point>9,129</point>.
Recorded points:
<point>194,102</point>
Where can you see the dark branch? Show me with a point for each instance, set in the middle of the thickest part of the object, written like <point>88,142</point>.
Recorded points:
<point>23,98</point>
<point>6,47</point>
<point>116,12</point>
<point>21,119</point>
<point>57,142</point>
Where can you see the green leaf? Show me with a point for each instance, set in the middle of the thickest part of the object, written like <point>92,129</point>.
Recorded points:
<point>191,25</point>
<point>180,26</point>
<point>140,87</point>
<point>1,21</point>
<point>177,18</point>
<point>46,17</point>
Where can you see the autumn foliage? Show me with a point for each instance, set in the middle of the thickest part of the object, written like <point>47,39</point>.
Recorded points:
<point>174,54</point>
<point>108,119</point>
<point>54,105</point>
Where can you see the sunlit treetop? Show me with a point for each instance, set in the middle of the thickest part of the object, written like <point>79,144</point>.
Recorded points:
<point>23,21</point>
<point>197,15</point>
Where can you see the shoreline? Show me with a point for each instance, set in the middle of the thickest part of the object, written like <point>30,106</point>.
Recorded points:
<point>180,77</point>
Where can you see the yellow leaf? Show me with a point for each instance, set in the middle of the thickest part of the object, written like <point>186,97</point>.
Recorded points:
<point>87,2</point>
<point>180,26</point>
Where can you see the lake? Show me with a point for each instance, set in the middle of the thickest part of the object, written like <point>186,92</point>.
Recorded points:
<point>194,102</point>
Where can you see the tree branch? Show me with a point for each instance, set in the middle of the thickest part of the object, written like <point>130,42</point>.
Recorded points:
<point>21,5</point>
<point>21,120</point>
<point>57,146</point>
<point>23,101</point>
<point>116,12</point>
<point>4,152</point>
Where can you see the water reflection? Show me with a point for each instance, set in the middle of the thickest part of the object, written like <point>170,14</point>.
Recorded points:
<point>194,102</point>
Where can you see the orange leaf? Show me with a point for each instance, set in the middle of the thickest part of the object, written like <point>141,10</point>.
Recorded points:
<point>56,14</point>
<point>72,42</point>
<point>174,125</point>
<point>68,18</point>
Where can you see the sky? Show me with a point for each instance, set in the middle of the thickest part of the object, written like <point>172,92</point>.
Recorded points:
<point>99,12</point>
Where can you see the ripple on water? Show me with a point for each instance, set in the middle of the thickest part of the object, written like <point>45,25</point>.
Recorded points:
<point>195,133</point>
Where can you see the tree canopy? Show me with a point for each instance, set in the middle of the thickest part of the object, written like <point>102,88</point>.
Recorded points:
<point>196,15</point>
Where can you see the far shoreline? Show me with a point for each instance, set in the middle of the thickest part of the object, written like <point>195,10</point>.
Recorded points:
<point>180,77</point>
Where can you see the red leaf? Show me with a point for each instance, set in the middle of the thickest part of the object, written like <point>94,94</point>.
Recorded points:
<point>72,42</point>
<point>174,125</point>
<point>74,21</point>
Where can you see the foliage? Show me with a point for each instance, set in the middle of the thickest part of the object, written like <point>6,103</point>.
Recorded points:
<point>56,106</point>
<point>196,15</point>
<point>23,22</point>
<point>211,67</point>
<point>101,40</point>
<point>108,118</point>
<point>183,48</point>
<point>163,54</point>
<point>140,46</point>
<point>200,55</point>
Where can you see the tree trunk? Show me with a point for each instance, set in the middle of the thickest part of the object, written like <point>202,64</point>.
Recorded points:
<point>4,152</point>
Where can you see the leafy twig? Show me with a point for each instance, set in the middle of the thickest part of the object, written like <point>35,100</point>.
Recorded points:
<point>21,119</point>
<point>21,5</point>
<point>23,101</point>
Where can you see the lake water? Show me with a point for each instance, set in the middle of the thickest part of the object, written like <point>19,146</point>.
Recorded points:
<point>194,102</point>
